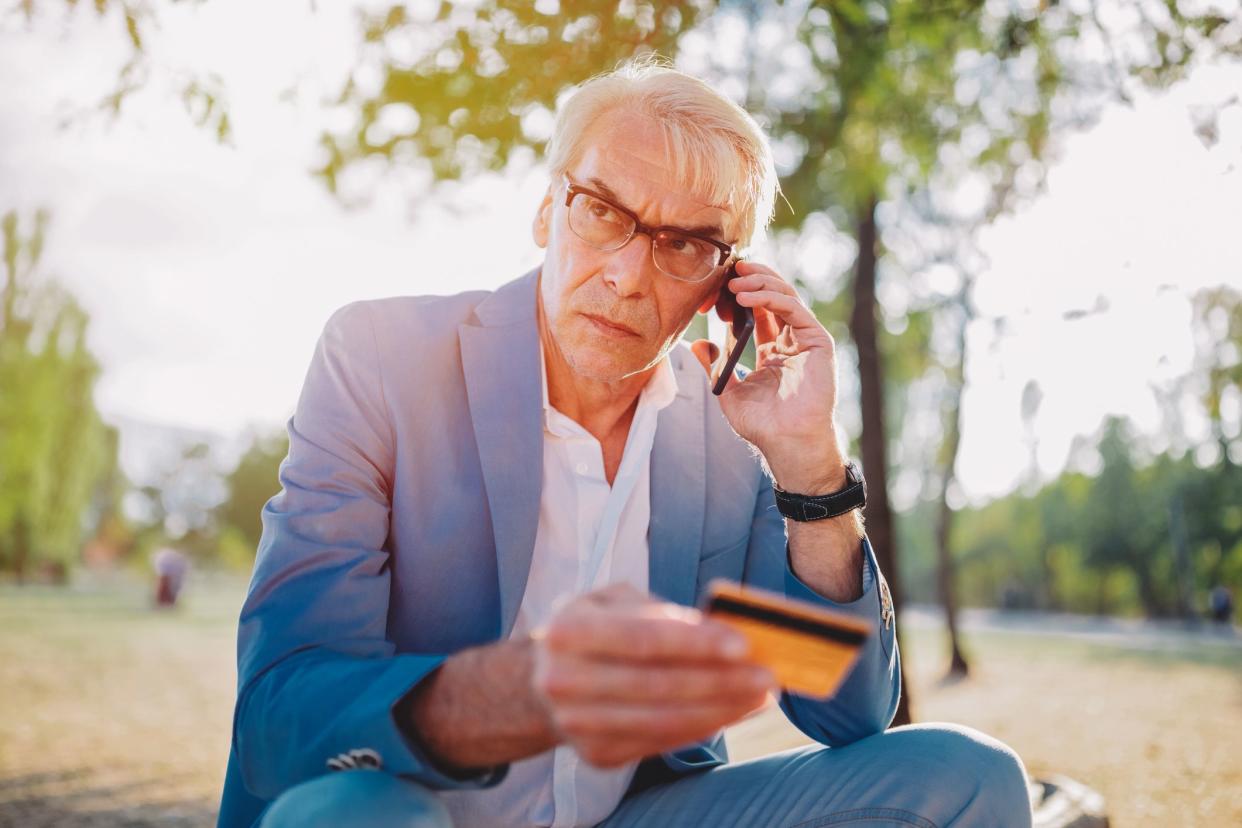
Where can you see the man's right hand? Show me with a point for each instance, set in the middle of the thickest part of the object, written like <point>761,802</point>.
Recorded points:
<point>623,675</point>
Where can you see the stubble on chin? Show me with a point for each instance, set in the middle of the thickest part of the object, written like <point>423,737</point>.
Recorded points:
<point>594,358</point>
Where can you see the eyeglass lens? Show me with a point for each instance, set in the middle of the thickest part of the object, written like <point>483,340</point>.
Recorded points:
<point>683,257</point>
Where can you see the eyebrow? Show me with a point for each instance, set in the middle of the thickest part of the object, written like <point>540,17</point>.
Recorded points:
<point>712,230</point>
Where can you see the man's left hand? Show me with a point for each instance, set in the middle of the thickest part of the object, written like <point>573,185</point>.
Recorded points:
<point>786,406</point>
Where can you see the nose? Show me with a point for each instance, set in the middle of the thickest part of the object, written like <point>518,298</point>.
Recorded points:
<point>631,268</point>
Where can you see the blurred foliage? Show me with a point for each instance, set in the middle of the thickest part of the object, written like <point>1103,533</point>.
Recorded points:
<point>179,502</point>
<point>1101,544</point>
<point>210,512</point>
<point>251,483</point>
<point>61,488</point>
<point>873,91</point>
<point>1218,346</point>
<point>58,461</point>
<point>463,87</point>
<point>203,95</point>
<point>903,113</point>
<point>1123,530</point>
<point>1150,532</point>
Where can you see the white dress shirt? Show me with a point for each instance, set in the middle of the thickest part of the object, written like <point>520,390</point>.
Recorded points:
<point>590,535</point>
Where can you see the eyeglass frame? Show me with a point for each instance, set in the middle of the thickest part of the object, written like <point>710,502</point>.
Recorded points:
<point>572,190</point>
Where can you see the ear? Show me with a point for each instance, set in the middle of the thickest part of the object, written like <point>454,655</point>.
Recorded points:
<point>541,228</point>
<point>713,296</point>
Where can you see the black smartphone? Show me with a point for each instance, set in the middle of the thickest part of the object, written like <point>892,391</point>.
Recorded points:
<point>741,326</point>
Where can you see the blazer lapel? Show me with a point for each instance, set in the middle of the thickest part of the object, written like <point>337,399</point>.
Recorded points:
<point>678,488</point>
<point>500,360</point>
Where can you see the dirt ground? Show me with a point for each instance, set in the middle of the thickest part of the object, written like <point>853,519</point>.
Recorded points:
<point>112,714</point>
<point>1157,734</point>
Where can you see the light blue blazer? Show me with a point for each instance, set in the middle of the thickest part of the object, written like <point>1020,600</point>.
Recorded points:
<point>406,522</point>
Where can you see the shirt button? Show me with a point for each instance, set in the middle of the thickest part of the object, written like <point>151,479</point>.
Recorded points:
<point>581,468</point>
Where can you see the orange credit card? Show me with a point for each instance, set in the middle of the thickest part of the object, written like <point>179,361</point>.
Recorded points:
<point>808,648</point>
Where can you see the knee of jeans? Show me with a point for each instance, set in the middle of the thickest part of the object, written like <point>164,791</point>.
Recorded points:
<point>344,799</point>
<point>992,776</point>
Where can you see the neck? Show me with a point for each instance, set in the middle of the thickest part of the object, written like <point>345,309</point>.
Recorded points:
<point>599,406</point>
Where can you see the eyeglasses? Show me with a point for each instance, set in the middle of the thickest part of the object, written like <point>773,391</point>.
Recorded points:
<point>684,256</point>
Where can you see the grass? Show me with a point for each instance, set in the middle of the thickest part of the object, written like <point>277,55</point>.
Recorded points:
<point>112,714</point>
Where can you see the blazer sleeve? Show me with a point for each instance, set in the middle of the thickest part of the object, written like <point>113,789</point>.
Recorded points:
<point>866,701</point>
<point>317,675</point>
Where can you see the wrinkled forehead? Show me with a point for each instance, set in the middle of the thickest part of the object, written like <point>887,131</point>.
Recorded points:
<point>632,157</point>
<point>659,176</point>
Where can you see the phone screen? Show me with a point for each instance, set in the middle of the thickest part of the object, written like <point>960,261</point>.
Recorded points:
<point>738,332</point>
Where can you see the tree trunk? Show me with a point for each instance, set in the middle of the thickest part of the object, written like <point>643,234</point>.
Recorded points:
<point>1101,592</point>
<point>878,514</point>
<point>1181,556</point>
<point>21,547</point>
<point>1153,606</point>
<point>1049,599</point>
<point>946,575</point>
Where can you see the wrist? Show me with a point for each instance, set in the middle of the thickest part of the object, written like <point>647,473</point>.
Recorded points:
<point>814,472</point>
<point>512,665</point>
<point>417,718</point>
<point>539,704</point>
<point>466,715</point>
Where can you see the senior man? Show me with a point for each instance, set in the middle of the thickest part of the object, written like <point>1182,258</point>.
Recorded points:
<point>473,599</point>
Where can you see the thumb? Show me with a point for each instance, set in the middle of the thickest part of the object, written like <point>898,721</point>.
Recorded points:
<point>706,351</point>
<point>618,593</point>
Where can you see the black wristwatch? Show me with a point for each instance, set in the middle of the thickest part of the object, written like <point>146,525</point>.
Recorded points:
<point>817,507</point>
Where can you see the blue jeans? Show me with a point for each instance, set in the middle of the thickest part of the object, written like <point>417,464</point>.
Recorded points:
<point>928,776</point>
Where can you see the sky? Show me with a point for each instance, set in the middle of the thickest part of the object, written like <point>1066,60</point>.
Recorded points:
<point>210,270</point>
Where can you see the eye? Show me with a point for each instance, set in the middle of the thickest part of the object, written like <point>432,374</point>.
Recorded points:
<point>600,210</point>
<point>681,245</point>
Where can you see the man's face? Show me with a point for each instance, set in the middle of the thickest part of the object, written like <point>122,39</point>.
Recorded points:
<point>583,288</point>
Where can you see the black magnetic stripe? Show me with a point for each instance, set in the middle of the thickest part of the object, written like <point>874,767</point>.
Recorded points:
<point>792,622</point>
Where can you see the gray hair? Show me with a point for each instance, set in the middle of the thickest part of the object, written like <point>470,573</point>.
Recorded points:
<point>719,153</point>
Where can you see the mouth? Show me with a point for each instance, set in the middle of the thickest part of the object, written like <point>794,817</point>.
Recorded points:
<point>608,326</point>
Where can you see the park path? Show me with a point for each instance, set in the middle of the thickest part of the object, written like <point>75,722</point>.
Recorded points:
<point>1127,633</point>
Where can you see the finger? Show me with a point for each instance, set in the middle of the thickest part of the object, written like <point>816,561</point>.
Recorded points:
<point>664,725</point>
<point>763,281</point>
<point>747,267</point>
<point>788,309</point>
<point>621,594</point>
<point>613,752</point>
<point>653,633</point>
<point>706,352</point>
<point>613,595</point>
<point>574,679</point>
<point>606,748</point>
<point>760,279</point>
<point>767,327</point>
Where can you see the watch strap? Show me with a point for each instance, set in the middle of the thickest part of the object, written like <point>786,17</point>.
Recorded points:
<point>807,508</point>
